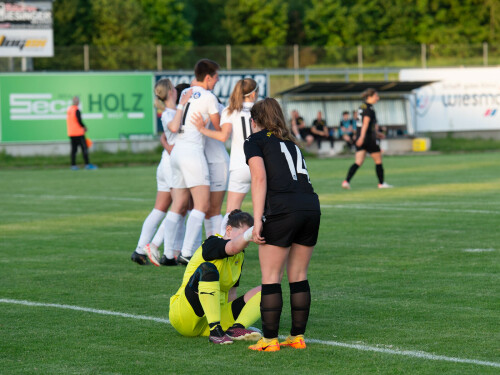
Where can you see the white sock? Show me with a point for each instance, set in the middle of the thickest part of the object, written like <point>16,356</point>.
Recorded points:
<point>223,225</point>
<point>193,230</point>
<point>172,222</point>
<point>179,237</point>
<point>208,227</point>
<point>149,228</point>
<point>160,233</point>
<point>216,223</point>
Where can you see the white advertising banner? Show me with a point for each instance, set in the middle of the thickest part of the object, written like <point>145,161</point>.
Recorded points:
<point>26,29</point>
<point>26,43</point>
<point>461,99</point>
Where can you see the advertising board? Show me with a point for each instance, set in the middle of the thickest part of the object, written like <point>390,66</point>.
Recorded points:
<point>33,106</point>
<point>460,99</point>
<point>26,29</point>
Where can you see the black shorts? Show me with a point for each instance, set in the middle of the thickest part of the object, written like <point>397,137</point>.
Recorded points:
<point>371,147</point>
<point>300,227</point>
<point>304,133</point>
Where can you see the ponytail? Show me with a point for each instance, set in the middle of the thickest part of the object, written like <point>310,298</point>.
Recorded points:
<point>244,87</point>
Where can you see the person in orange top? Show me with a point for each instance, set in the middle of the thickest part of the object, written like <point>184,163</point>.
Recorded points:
<point>76,133</point>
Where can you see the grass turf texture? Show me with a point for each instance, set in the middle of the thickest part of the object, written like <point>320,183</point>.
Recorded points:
<point>389,271</point>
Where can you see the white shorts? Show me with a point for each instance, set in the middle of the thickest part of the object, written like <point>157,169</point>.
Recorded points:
<point>219,173</point>
<point>240,180</point>
<point>189,167</point>
<point>163,175</point>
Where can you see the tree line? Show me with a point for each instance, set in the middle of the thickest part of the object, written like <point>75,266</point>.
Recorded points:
<point>275,22</point>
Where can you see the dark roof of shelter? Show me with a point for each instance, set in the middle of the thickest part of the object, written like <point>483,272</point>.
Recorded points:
<point>322,88</point>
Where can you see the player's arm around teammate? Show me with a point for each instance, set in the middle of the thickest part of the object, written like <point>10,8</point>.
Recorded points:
<point>235,121</point>
<point>166,96</point>
<point>189,165</point>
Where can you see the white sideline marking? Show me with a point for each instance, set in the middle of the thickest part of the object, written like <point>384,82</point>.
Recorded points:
<point>478,250</point>
<point>408,208</point>
<point>402,207</point>
<point>366,348</point>
<point>86,309</point>
<point>78,197</point>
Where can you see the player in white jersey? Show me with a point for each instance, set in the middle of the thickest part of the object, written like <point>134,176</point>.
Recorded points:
<point>218,166</point>
<point>235,121</point>
<point>166,96</point>
<point>190,176</point>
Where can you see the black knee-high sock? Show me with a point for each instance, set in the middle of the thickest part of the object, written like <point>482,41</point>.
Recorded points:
<point>351,172</point>
<point>300,303</point>
<point>380,173</point>
<point>271,304</point>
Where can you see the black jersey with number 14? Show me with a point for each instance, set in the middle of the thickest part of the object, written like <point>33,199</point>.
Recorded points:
<point>289,188</point>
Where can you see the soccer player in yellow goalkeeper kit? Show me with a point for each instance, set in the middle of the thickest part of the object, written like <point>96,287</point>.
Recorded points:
<point>206,303</point>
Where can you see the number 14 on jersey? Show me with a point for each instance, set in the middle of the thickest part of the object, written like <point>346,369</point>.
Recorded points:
<point>300,160</point>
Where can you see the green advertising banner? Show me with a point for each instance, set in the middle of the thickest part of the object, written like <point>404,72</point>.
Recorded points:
<point>33,106</point>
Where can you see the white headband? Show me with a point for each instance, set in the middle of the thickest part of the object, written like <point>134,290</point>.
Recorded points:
<point>250,93</point>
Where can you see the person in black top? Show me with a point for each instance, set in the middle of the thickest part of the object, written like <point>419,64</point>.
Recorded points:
<point>287,217</point>
<point>320,131</point>
<point>367,134</point>
<point>300,130</point>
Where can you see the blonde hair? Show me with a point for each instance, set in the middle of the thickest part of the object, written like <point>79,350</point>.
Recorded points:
<point>243,88</point>
<point>162,90</point>
<point>267,114</point>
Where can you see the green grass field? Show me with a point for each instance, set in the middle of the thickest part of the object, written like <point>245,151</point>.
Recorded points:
<point>404,281</point>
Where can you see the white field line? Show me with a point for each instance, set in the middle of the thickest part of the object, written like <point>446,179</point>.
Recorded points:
<point>367,348</point>
<point>401,207</point>
<point>78,197</point>
<point>478,250</point>
<point>85,309</point>
<point>409,208</point>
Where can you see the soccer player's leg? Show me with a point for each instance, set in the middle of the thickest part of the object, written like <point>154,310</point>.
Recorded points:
<point>241,314</point>
<point>203,291</point>
<point>298,263</point>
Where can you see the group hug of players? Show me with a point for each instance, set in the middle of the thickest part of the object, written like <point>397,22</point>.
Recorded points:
<point>194,173</point>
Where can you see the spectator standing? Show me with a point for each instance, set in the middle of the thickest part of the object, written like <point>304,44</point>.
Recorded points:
<point>76,132</point>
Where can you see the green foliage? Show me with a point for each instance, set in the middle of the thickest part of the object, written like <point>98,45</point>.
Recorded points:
<point>124,28</point>
<point>276,22</point>
<point>166,22</point>
<point>257,22</point>
<point>326,23</point>
<point>73,22</point>
<point>207,17</point>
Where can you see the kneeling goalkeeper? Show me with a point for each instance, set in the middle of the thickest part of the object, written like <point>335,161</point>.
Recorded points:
<point>206,303</point>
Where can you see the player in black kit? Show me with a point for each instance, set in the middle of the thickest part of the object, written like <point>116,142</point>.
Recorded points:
<point>368,133</point>
<point>287,217</point>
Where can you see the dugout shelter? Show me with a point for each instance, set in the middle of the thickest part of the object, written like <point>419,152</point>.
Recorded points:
<point>396,109</point>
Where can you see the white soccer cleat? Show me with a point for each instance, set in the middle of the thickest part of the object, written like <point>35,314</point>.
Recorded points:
<point>385,185</point>
<point>346,185</point>
<point>153,254</point>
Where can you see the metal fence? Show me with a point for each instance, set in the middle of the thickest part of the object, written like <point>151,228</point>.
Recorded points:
<point>150,57</point>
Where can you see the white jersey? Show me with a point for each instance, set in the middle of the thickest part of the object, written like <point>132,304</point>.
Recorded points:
<point>215,151</point>
<point>166,117</point>
<point>203,102</point>
<point>241,130</point>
